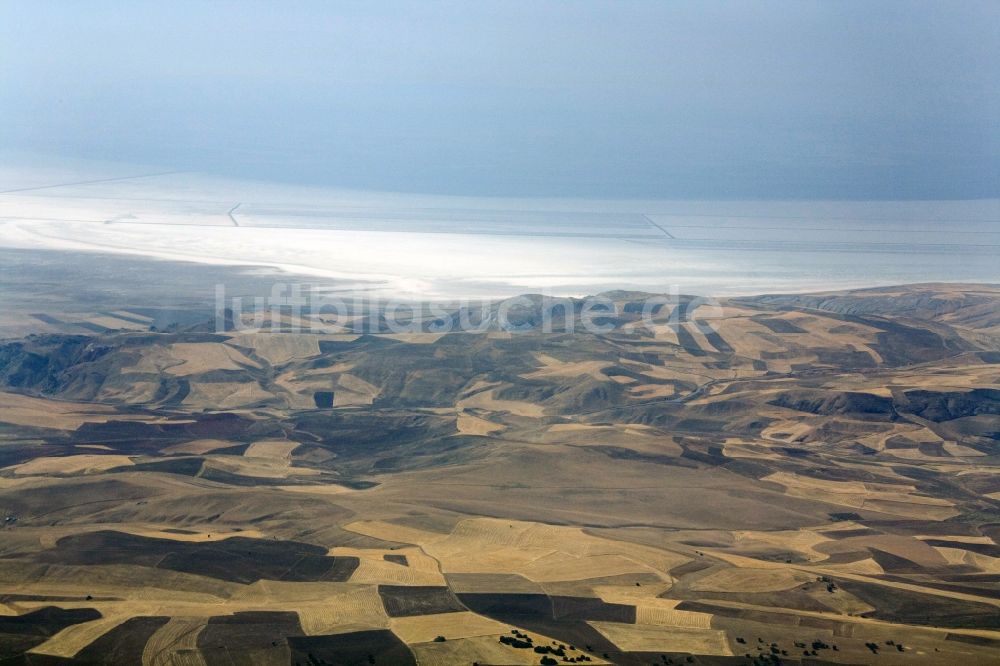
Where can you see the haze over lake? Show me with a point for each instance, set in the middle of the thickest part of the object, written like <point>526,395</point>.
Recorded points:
<point>425,246</point>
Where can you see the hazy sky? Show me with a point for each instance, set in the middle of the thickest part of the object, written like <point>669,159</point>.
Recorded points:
<point>623,99</point>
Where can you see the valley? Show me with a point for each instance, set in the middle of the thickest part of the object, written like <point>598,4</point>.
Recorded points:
<point>802,478</point>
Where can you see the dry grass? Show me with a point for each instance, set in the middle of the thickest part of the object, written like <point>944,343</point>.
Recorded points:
<point>265,468</point>
<point>200,446</point>
<point>392,532</point>
<point>665,332</point>
<point>114,323</point>
<point>416,559</point>
<point>485,400</point>
<point>424,628</point>
<point>468,424</point>
<point>802,541</point>
<point>324,489</point>
<point>656,638</point>
<point>413,338</point>
<point>962,557</point>
<point>537,552</point>
<point>224,395</point>
<point>646,516</point>
<point>133,315</point>
<point>352,390</point>
<point>650,391</point>
<point>180,633</point>
<point>280,348</point>
<point>652,614</point>
<point>899,500</point>
<point>79,464</point>
<point>380,572</point>
<point>72,639</point>
<point>751,580</point>
<point>275,449</point>
<point>634,437</point>
<point>554,368</point>
<point>198,357</point>
<point>194,536</point>
<point>354,606</point>
<point>957,537</point>
<point>560,566</point>
<point>27,411</point>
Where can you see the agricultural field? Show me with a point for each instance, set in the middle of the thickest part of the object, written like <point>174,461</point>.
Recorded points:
<point>805,478</point>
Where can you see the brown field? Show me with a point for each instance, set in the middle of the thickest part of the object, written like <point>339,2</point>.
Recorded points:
<point>817,469</point>
<point>654,638</point>
<point>81,464</point>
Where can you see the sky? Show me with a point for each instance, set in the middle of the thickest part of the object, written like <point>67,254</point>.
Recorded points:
<point>675,100</point>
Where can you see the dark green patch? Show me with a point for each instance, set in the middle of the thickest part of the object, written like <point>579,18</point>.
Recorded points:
<point>323,399</point>
<point>19,633</point>
<point>123,644</point>
<point>237,559</point>
<point>359,648</point>
<point>253,637</point>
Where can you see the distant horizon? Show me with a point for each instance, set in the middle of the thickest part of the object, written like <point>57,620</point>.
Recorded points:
<point>18,159</point>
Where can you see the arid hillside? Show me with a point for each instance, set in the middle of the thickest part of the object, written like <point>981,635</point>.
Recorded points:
<point>773,479</point>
